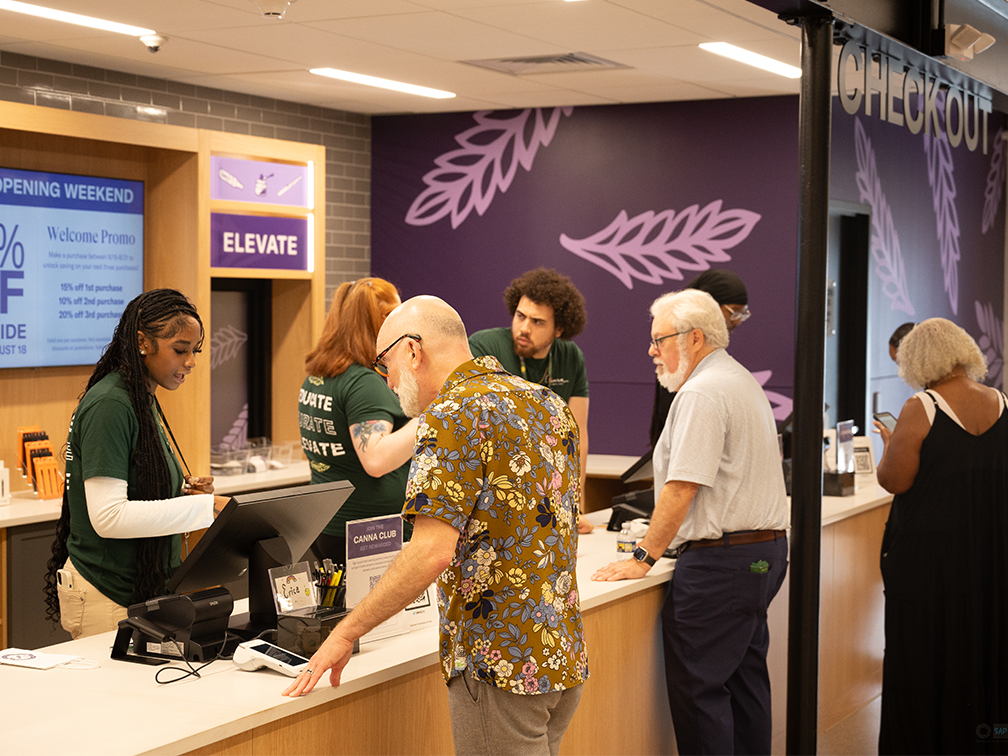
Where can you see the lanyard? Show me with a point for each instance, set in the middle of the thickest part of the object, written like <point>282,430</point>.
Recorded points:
<point>547,376</point>
<point>164,424</point>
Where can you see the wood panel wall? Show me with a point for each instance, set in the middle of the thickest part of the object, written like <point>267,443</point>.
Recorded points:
<point>174,163</point>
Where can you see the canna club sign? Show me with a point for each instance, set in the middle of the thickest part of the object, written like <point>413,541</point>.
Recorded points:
<point>962,116</point>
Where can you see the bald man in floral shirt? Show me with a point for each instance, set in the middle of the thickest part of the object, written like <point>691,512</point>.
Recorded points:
<point>493,493</point>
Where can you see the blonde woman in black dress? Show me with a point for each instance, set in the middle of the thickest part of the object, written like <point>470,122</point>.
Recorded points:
<point>945,551</point>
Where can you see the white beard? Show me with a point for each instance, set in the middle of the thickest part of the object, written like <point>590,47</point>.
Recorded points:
<point>408,392</point>
<point>672,382</point>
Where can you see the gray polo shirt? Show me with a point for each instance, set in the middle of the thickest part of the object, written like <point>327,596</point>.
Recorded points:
<point>721,434</point>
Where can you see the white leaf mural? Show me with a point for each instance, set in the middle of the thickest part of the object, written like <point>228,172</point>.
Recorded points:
<point>780,404</point>
<point>885,246</point>
<point>941,176</point>
<point>225,344</point>
<point>991,342</point>
<point>237,437</point>
<point>653,247</point>
<point>995,182</point>
<point>490,152</point>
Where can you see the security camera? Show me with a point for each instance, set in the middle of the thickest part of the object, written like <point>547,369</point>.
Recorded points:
<point>273,8</point>
<point>153,42</point>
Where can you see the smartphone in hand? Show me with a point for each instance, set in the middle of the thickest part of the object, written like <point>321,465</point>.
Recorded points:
<point>887,419</point>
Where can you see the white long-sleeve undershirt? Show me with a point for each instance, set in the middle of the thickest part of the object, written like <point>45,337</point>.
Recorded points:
<point>113,515</point>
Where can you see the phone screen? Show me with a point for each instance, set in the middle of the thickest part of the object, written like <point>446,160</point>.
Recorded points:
<point>887,419</point>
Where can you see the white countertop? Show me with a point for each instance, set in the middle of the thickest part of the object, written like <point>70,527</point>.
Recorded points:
<point>26,508</point>
<point>120,709</point>
<point>294,474</point>
<point>608,465</point>
<point>868,494</point>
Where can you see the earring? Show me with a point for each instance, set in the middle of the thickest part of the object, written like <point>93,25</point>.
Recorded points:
<point>143,353</point>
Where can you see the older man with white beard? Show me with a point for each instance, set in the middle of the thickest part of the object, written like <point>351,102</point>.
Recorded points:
<point>723,507</point>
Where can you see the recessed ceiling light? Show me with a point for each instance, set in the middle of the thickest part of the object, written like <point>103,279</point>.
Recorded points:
<point>73,18</point>
<point>752,59</point>
<point>374,81</point>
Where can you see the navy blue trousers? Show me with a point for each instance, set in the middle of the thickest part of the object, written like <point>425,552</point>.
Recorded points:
<point>714,627</point>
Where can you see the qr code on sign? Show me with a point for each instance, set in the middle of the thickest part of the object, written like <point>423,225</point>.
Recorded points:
<point>373,581</point>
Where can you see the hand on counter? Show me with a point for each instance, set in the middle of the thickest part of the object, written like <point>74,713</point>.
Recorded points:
<point>584,526</point>
<point>197,485</point>
<point>628,569</point>
<point>333,655</point>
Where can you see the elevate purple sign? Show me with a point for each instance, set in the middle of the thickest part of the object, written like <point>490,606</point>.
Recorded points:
<point>259,242</point>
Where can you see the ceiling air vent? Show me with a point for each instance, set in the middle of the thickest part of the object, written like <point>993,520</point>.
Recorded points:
<point>543,64</point>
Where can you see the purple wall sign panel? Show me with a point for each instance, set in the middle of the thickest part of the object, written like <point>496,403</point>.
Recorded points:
<point>258,181</point>
<point>258,241</point>
<point>628,201</point>
<point>373,536</point>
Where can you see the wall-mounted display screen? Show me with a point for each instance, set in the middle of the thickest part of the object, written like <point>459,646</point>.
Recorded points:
<point>71,258</point>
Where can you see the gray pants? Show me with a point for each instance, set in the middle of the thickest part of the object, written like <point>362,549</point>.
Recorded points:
<point>493,722</point>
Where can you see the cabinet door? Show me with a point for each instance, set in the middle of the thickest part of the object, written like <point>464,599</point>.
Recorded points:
<point>29,548</point>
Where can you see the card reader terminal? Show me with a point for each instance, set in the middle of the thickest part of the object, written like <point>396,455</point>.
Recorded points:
<point>256,654</point>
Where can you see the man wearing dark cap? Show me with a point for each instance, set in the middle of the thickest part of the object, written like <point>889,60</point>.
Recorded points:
<point>733,298</point>
<point>897,337</point>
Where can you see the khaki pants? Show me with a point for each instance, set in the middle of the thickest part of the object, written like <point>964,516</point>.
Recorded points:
<point>488,721</point>
<point>84,610</point>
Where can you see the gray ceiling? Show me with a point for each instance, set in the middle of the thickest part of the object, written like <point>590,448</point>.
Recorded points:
<point>228,44</point>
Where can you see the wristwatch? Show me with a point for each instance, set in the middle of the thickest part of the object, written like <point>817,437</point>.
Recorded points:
<point>641,555</point>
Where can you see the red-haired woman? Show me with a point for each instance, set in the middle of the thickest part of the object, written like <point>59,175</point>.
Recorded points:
<point>352,427</point>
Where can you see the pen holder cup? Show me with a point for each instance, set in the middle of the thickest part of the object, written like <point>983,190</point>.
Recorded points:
<point>303,633</point>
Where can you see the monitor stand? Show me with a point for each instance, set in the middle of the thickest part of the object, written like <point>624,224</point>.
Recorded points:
<point>262,616</point>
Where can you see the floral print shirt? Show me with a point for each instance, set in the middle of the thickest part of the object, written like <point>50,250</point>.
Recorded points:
<point>497,458</point>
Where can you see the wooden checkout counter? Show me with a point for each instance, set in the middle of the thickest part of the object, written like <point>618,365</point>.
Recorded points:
<point>393,698</point>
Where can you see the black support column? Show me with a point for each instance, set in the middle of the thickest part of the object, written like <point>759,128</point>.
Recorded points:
<point>806,481</point>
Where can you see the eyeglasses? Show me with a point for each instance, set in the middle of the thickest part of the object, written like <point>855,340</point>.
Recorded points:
<point>380,367</point>
<point>739,316</point>
<point>656,343</point>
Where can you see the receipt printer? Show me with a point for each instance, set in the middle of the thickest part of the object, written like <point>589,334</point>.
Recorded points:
<point>191,626</point>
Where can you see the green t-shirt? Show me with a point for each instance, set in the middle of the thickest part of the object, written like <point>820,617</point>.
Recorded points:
<point>568,375</point>
<point>101,443</point>
<point>327,407</point>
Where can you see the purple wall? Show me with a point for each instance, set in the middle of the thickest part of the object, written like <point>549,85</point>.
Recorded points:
<point>464,202</point>
<point>548,183</point>
<point>938,230</point>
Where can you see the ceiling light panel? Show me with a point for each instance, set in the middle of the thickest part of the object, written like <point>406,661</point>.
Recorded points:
<point>73,18</point>
<point>752,59</point>
<point>374,81</point>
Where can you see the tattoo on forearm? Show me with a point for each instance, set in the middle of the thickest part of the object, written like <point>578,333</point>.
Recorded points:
<point>363,432</point>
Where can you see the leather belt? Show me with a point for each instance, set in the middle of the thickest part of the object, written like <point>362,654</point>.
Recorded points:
<point>736,539</point>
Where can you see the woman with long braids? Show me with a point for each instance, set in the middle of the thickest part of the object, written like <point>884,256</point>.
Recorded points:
<point>126,497</point>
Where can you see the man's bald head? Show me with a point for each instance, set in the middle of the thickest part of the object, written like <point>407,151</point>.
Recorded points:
<point>437,344</point>
<point>432,318</point>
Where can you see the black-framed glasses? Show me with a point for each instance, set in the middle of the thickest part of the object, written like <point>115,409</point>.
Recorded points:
<point>656,343</point>
<point>739,316</point>
<point>380,367</point>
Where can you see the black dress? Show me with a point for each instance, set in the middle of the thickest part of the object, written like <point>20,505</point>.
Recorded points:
<point>945,571</point>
